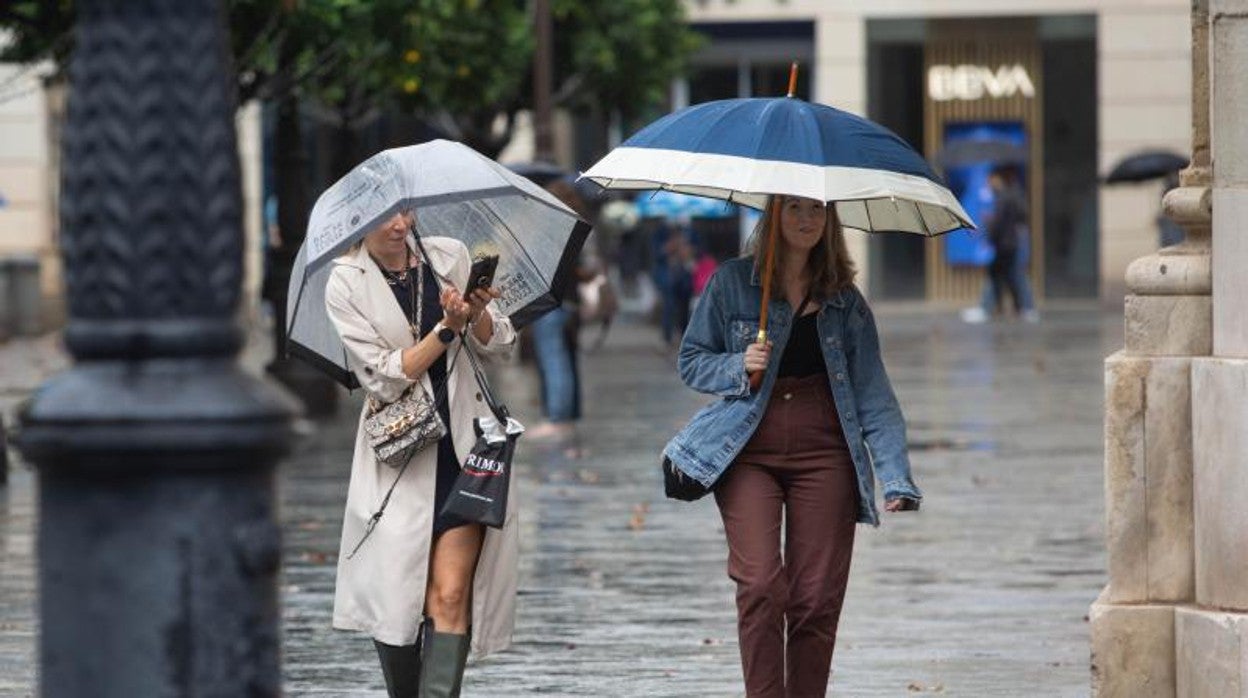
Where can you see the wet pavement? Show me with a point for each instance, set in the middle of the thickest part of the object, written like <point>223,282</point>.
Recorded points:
<point>623,593</point>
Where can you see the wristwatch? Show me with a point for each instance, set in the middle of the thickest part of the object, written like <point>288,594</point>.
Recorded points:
<point>444,334</point>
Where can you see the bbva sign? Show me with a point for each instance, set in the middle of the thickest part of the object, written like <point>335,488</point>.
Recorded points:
<point>970,82</point>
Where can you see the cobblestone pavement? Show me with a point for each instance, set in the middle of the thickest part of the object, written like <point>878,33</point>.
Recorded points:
<point>623,593</point>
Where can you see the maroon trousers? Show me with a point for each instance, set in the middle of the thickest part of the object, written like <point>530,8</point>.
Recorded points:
<point>796,467</point>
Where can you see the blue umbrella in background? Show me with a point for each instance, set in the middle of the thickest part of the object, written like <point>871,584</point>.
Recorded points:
<point>540,172</point>
<point>669,204</point>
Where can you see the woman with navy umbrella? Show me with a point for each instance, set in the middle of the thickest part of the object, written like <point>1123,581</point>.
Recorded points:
<point>806,419</point>
<point>823,401</point>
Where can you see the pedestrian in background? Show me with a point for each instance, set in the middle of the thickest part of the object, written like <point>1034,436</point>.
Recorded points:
<point>399,324</point>
<point>1010,236</point>
<point>674,259</point>
<point>803,452</point>
<point>703,270</point>
<point>556,344</point>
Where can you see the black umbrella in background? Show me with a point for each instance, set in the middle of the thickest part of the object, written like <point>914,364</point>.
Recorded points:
<point>1146,165</point>
<point>539,172</point>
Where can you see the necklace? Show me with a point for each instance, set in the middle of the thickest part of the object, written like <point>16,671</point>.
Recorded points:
<point>416,291</point>
<point>395,278</point>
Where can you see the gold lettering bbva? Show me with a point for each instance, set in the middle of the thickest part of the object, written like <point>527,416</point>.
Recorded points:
<point>971,82</point>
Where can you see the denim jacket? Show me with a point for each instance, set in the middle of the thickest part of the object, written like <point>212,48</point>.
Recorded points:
<point>712,361</point>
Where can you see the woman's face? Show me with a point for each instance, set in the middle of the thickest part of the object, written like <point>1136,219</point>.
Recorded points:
<point>802,222</point>
<point>389,238</point>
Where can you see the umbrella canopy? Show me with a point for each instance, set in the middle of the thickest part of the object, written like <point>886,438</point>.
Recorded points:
<point>745,150</point>
<point>456,192</point>
<point>1146,165</point>
<point>972,151</point>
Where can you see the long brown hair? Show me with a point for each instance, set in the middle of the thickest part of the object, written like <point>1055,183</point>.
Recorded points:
<point>831,269</point>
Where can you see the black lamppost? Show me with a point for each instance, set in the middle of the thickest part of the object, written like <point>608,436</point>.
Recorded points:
<point>158,545</point>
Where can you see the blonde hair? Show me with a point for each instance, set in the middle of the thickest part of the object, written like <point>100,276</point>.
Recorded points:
<point>830,267</point>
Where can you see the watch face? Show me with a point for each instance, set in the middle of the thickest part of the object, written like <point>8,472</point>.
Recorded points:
<point>447,335</point>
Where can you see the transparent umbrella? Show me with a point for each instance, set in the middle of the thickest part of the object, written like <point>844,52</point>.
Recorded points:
<point>457,193</point>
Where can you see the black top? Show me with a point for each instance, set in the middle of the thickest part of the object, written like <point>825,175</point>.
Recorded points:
<point>431,314</point>
<point>802,355</point>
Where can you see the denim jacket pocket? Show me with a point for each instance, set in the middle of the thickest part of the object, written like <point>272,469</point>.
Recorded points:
<point>742,332</point>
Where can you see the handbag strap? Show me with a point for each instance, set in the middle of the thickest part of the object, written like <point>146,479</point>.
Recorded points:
<point>500,410</point>
<point>501,413</point>
<point>385,501</point>
<point>441,392</point>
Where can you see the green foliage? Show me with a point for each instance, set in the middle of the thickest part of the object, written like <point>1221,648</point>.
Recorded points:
<point>461,62</point>
<point>620,54</point>
<point>464,56</point>
<point>38,30</point>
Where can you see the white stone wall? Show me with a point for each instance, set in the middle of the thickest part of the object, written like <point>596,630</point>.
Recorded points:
<point>251,152</point>
<point>29,180</point>
<point>25,178</point>
<point>1145,102</point>
<point>1212,636</point>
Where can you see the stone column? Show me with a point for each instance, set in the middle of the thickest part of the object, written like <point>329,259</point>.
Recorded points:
<point>1212,634</point>
<point>158,539</point>
<point>1149,433</point>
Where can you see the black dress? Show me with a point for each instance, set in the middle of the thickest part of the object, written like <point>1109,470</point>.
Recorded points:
<point>431,314</point>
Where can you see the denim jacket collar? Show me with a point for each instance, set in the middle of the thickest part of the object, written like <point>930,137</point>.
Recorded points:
<point>837,301</point>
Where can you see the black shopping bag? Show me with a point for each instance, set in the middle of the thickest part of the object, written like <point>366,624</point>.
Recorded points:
<point>480,491</point>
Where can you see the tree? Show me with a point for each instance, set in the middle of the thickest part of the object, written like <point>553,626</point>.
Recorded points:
<point>464,65</point>
<point>619,54</point>
<point>38,30</point>
<point>612,55</point>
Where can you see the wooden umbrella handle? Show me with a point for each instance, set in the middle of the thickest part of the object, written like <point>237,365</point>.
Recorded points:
<point>769,263</point>
<point>769,268</point>
<point>756,377</point>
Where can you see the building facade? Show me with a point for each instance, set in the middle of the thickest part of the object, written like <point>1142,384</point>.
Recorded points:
<point>31,114</point>
<point>27,204</point>
<point>1075,85</point>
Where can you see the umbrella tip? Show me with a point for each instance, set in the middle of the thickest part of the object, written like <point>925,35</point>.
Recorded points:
<point>792,78</point>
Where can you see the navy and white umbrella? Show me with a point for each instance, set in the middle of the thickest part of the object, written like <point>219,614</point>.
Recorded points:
<point>745,150</point>
<point>456,192</point>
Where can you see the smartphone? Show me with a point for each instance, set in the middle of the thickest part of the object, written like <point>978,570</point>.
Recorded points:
<point>482,273</point>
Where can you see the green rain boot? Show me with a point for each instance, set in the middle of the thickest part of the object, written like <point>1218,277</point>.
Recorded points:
<point>443,656</point>
<point>401,668</point>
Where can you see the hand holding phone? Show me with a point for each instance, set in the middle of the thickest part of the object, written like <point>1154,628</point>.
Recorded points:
<point>481,275</point>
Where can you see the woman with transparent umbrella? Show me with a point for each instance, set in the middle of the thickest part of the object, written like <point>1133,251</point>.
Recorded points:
<point>402,326</point>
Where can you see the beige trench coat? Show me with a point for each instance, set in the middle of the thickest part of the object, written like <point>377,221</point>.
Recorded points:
<point>381,591</point>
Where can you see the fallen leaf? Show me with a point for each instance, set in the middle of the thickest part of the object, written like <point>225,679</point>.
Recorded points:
<point>588,477</point>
